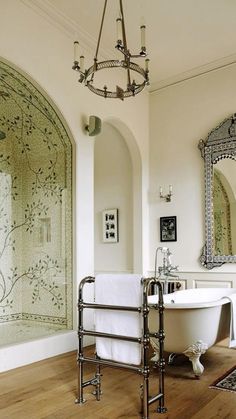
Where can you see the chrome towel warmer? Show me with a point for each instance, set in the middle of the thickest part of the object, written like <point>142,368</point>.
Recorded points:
<point>144,340</point>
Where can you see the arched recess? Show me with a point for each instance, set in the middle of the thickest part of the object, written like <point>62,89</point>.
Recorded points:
<point>35,206</point>
<point>136,167</point>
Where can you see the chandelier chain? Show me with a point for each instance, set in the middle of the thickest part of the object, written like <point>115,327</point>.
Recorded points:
<point>100,31</point>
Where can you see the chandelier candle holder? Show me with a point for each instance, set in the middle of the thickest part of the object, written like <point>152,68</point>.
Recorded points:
<point>87,76</point>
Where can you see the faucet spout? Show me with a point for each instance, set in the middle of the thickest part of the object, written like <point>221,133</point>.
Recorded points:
<point>169,274</point>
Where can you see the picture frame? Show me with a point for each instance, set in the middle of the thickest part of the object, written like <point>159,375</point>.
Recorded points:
<point>168,229</point>
<point>110,231</point>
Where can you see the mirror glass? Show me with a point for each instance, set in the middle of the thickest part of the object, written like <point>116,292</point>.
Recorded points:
<point>224,207</point>
<point>219,153</point>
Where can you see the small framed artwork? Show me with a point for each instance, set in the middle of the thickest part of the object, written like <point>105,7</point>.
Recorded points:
<point>168,229</point>
<point>110,226</point>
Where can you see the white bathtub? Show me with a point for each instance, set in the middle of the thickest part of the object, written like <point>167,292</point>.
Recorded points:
<point>194,320</point>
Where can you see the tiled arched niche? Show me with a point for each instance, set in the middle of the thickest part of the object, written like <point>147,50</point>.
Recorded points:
<point>35,211</point>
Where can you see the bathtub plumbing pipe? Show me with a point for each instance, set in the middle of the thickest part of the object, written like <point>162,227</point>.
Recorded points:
<point>162,249</point>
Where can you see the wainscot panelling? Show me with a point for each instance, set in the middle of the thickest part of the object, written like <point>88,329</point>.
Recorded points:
<point>205,279</point>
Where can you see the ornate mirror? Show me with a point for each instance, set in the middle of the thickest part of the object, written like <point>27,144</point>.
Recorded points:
<point>219,153</point>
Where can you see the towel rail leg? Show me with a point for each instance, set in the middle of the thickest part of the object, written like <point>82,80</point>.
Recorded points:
<point>80,398</point>
<point>145,409</point>
<point>97,392</point>
<point>161,362</point>
<point>145,344</point>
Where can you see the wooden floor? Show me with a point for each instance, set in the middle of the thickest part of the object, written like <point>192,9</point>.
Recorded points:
<point>47,389</point>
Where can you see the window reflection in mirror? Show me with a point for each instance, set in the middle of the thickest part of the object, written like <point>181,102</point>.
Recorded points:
<point>224,207</point>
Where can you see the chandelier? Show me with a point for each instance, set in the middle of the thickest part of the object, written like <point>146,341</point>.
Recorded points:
<point>132,87</point>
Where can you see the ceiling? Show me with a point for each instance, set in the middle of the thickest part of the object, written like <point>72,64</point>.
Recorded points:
<point>184,38</point>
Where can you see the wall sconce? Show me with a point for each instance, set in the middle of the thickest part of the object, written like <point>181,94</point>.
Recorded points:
<point>168,196</point>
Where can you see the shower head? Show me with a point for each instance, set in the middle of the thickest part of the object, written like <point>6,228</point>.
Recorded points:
<point>2,135</point>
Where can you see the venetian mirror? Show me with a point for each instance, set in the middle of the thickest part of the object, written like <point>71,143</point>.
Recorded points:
<point>219,153</point>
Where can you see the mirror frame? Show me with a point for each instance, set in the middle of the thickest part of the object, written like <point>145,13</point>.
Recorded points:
<point>219,144</point>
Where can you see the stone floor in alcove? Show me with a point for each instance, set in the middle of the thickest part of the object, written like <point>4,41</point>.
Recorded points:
<point>21,331</point>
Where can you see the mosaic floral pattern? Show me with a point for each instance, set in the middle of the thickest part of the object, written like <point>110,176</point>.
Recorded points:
<point>35,204</point>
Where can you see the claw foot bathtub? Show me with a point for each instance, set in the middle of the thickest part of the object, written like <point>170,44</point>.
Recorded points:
<point>194,320</point>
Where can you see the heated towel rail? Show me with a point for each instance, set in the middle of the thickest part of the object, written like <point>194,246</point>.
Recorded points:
<point>144,341</point>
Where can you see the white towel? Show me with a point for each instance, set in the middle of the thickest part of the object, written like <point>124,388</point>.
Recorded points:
<point>232,334</point>
<point>123,290</point>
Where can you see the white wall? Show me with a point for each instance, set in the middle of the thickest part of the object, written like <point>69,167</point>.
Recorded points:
<point>180,116</point>
<point>113,188</point>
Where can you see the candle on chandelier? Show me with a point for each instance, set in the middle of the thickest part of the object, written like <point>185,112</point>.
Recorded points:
<point>119,29</point>
<point>81,63</point>
<point>76,51</point>
<point>143,40</point>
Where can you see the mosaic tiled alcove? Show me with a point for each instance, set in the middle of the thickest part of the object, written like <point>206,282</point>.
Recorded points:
<point>35,205</point>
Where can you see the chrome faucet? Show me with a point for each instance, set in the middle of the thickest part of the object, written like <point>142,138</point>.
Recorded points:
<point>167,268</point>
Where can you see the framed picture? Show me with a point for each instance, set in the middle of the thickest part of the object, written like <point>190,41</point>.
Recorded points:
<point>168,229</point>
<point>110,226</point>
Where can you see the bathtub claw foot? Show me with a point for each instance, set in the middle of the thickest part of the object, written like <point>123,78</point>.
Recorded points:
<point>171,358</point>
<point>193,353</point>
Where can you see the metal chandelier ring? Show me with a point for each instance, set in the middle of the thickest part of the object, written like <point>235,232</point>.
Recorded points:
<point>115,64</point>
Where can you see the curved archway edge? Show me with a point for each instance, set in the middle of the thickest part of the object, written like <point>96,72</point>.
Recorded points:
<point>137,189</point>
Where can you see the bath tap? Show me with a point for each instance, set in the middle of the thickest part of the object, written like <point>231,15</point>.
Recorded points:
<point>172,275</point>
<point>167,268</point>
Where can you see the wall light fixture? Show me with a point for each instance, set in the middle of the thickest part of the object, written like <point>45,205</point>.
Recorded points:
<point>168,196</point>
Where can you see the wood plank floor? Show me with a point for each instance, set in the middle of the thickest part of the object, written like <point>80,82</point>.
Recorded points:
<point>47,389</point>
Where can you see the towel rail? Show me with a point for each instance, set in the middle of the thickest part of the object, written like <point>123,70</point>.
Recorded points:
<point>114,364</point>
<point>85,332</point>
<point>109,307</point>
<point>144,341</point>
